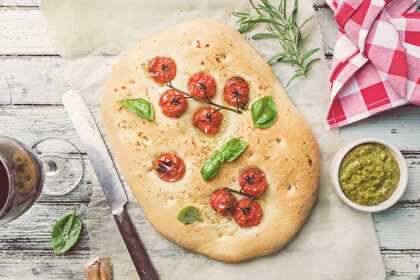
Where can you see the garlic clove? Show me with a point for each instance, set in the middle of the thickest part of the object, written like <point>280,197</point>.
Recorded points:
<point>105,268</point>
<point>100,268</point>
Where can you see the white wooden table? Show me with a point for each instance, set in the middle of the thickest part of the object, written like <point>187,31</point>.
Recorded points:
<point>31,83</point>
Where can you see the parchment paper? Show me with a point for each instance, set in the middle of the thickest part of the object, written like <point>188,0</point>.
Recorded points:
<point>337,243</point>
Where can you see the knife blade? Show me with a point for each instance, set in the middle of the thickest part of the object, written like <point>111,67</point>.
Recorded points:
<point>109,180</point>
<point>98,153</point>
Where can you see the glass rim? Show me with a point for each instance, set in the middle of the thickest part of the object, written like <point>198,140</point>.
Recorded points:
<point>11,177</point>
<point>4,164</point>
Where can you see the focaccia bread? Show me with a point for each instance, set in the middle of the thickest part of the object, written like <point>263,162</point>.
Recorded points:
<point>287,151</point>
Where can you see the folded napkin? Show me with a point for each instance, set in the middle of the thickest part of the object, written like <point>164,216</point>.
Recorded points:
<point>376,64</point>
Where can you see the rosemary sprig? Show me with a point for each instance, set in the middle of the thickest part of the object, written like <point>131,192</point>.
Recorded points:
<point>283,27</point>
<point>207,101</point>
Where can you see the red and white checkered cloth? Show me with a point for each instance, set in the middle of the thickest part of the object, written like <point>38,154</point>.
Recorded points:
<point>376,64</point>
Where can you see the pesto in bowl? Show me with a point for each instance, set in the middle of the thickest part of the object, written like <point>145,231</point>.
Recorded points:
<point>369,174</point>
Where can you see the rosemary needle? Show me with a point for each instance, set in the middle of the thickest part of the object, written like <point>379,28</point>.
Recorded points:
<point>283,27</point>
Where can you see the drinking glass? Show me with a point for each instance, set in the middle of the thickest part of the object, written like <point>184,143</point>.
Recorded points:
<point>52,165</point>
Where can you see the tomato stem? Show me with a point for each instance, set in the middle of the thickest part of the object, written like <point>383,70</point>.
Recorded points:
<point>207,101</point>
<point>241,193</point>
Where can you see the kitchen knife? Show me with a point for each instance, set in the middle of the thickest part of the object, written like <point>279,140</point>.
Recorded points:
<point>109,179</point>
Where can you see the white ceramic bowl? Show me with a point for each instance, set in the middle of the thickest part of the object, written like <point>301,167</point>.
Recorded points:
<point>396,195</point>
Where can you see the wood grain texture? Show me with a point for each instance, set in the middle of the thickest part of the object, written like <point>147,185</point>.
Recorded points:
<point>38,221</point>
<point>399,126</point>
<point>19,3</point>
<point>23,31</point>
<point>30,76</point>
<point>25,251</point>
<point>319,4</point>
<point>398,228</point>
<point>31,80</point>
<point>326,21</point>
<point>402,265</point>
<point>41,265</point>
<point>31,123</point>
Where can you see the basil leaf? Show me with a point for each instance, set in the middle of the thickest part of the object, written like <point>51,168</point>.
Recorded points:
<point>211,166</point>
<point>189,215</point>
<point>264,112</point>
<point>230,151</point>
<point>139,106</point>
<point>233,149</point>
<point>65,233</point>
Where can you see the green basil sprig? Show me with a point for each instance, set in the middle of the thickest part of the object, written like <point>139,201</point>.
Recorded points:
<point>65,233</point>
<point>189,215</point>
<point>233,149</point>
<point>230,151</point>
<point>139,106</point>
<point>211,166</point>
<point>264,112</point>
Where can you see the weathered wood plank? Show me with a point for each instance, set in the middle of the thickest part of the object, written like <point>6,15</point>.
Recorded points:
<point>402,265</point>
<point>325,17</point>
<point>25,243</point>
<point>319,4</point>
<point>23,31</point>
<point>398,228</point>
<point>31,123</point>
<point>412,193</point>
<point>82,193</point>
<point>37,221</point>
<point>32,231</point>
<point>42,265</point>
<point>399,126</point>
<point>25,251</point>
<point>32,80</point>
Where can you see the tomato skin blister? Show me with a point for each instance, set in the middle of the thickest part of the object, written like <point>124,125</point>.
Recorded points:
<point>236,92</point>
<point>252,181</point>
<point>208,120</point>
<point>202,85</point>
<point>162,69</point>
<point>169,167</point>
<point>223,201</point>
<point>248,213</point>
<point>173,103</point>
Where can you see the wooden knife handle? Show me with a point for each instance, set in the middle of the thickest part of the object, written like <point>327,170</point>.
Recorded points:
<point>135,247</point>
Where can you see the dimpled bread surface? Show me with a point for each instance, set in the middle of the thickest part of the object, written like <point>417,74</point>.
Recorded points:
<point>287,152</point>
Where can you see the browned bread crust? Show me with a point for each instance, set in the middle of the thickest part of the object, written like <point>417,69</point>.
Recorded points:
<point>287,152</point>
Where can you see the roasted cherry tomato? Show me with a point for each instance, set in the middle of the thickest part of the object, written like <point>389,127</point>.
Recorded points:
<point>252,181</point>
<point>202,85</point>
<point>248,213</point>
<point>236,92</point>
<point>223,201</point>
<point>162,69</point>
<point>169,167</point>
<point>173,103</point>
<point>208,120</point>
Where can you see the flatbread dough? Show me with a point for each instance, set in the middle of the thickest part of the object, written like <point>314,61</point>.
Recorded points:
<point>287,152</point>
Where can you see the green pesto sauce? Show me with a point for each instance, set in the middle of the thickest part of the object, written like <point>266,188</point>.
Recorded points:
<point>369,174</point>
